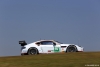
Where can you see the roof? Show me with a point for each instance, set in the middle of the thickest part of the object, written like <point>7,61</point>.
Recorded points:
<point>44,40</point>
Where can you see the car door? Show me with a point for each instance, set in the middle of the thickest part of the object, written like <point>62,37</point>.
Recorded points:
<point>47,47</point>
<point>57,47</point>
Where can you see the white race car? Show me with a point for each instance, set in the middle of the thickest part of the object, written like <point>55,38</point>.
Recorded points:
<point>47,46</point>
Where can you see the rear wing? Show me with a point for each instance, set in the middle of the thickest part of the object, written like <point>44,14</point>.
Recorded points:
<point>22,43</point>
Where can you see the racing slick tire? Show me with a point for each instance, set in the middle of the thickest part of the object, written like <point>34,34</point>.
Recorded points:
<point>33,51</point>
<point>71,48</point>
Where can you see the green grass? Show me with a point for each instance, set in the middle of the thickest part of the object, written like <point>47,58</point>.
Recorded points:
<point>53,60</point>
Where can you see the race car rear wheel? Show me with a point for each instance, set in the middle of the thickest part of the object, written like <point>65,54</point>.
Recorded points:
<point>71,48</point>
<point>33,51</point>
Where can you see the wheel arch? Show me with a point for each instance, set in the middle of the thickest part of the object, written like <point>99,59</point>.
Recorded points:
<point>72,45</point>
<point>33,47</point>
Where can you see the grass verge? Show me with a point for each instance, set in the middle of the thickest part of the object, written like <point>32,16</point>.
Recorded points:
<point>79,59</point>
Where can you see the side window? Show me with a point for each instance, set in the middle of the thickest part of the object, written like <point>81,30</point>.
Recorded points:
<point>47,43</point>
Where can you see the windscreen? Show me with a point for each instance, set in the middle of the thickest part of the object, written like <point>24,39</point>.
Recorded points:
<point>59,42</point>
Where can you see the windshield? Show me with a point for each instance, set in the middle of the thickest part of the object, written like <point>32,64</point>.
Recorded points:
<point>59,42</point>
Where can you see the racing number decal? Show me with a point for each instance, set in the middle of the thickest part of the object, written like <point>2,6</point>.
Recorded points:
<point>56,49</point>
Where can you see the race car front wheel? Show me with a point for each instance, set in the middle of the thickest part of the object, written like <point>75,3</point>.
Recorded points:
<point>32,51</point>
<point>71,48</point>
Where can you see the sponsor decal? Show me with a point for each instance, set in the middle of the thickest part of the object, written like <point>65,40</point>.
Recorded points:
<point>56,49</point>
<point>62,48</point>
<point>49,50</point>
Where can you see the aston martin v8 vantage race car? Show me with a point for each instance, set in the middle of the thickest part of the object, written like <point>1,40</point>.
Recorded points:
<point>47,46</point>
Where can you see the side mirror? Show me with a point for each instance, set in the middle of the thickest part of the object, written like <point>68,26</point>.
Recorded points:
<point>38,43</point>
<point>54,44</point>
